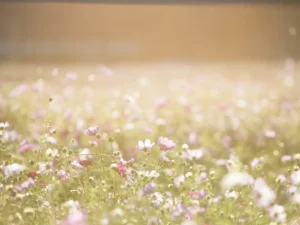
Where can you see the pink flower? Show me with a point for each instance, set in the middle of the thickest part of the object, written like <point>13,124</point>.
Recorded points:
<point>75,217</point>
<point>92,131</point>
<point>227,141</point>
<point>121,169</point>
<point>270,134</point>
<point>26,147</point>
<point>165,144</point>
<point>25,185</point>
<point>62,174</point>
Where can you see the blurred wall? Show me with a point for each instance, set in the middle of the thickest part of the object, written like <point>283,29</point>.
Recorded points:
<point>67,31</point>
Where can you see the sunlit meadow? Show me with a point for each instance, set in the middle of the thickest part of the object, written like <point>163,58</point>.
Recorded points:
<point>157,144</point>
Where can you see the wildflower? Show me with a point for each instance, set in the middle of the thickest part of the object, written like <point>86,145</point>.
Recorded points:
<point>193,139</point>
<point>157,199</point>
<point>164,156</point>
<point>92,131</point>
<point>25,185</point>
<point>152,173</point>
<point>277,213</point>
<point>179,180</point>
<point>286,158</point>
<point>145,146</point>
<point>227,141</point>
<point>147,189</point>
<point>13,169</point>
<point>185,147</point>
<point>11,136</point>
<point>236,179</point>
<point>193,154</point>
<point>231,194</point>
<point>165,144</point>
<point>45,168</point>
<point>4,125</point>
<point>75,217</point>
<point>270,134</point>
<point>18,90</point>
<point>51,140</point>
<point>85,157</point>
<point>72,205</point>
<point>63,175</point>
<point>196,195</point>
<point>121,166</point>
<point>26,147</point>
<point>117,212</point>
<point>295,177</point>
<point>263,194</point>
<point>52,152</point>
<point>256,161</point>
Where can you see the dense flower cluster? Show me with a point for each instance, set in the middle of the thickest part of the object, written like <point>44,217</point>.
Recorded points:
<point>192,152</point>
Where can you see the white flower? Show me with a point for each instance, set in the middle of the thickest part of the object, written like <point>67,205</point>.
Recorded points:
<point>157,199</point>
<point>231,194</point>
<point>185,147</point>
<point>52,152</point>
<point>146,145</point>
<point>4,125</point>
<point>193,154</point>
<point>51,140</point>
<point>85,155</point>
<point>45,167</point>
<point>256,161</point>
<point>286,158</point>
<point>263,194</point>
<point>236,179</point>
<point>72,205</point>
<point>117,212</point>
<point>295,177</point>
<point>151,173</point>
<point>179,180</point>
<point>277,213</point>
<point>294,194</point>
<point>13,169</point>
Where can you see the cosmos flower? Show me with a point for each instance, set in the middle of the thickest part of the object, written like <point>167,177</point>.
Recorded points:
<point>75,217</point>
<point>92,131</point>
<point>193,154</point>
<point>165,144</point>
<point>144,146</point>
<point>25,185</point>
<point>27,147</point>
<point>62,174</point>
<point>13,169</point>
<point>264,196</point>
<point>277,213</point>
<point>236,179</point>
<point>179,180</point>
<point>4,125</point>
<point>295,177</point>
<point>157,199</point>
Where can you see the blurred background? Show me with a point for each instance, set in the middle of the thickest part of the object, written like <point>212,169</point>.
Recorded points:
<point>69,32</point>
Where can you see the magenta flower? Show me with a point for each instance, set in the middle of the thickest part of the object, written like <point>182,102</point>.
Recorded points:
<point>92,131</point>
<point>165,144</point>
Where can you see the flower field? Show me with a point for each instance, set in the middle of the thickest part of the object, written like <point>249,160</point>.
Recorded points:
<point>158,144</point>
